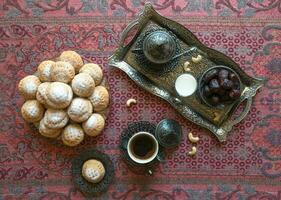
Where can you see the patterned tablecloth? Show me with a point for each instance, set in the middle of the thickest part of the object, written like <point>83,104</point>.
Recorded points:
<point>247,166</point>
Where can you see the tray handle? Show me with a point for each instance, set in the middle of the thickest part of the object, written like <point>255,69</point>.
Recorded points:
<point>243,114</point>
<point>126,31</point>
<point>227,126</point>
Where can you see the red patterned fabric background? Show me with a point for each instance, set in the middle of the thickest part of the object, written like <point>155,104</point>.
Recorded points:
<point>247,166</point>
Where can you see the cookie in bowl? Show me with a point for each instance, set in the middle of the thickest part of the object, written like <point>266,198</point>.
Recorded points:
<point>93,171</point>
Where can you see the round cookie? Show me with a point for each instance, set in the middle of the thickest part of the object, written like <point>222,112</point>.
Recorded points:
<point>72,135</point>
<point>28,86</point>
<point>83,85</point>
<point>62,72</point>
<point>94,125</point>
<point>73,58</point>
<point>80,109</point>
<point>41,92</point>
<point>48,132</point>
<point>32,111</point>
<point>55,119</point>
<point>59,95</point>
<point>93,171</point>
<point>94,71</point>
<point>99,98</point>
<point>44,70</point>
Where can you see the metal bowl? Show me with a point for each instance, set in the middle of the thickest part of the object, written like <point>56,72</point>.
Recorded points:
<point>201,84</point>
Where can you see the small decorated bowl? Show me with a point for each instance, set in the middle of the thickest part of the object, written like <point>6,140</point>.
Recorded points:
<point>98,179</point>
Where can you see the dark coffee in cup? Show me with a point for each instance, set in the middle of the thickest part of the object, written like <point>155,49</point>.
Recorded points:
<point>142,147</point>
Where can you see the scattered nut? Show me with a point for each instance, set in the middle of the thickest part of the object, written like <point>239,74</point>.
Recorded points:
<point>130,102</point>
<point>196,59</point>
<point>217,116</point>
<point>186,66</point>
<point>150,172</point>
<point>193,151</point>
<point>193,138</point>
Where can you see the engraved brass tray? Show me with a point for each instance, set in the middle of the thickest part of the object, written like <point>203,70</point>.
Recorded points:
<point>158,76</point>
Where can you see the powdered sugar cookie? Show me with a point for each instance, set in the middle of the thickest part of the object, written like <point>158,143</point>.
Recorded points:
<point>41,92</point>
<point>80,109</point>
<point>59,95</point>
<point>72,135</point>
<point>28,86</point>
<point>94,125</point>
<point>73,58</point>
<point>94,71</point>
<point>83,85</point>
<point>93,171</point>
<point>48,132</point>
<point>32,111</point>
<point>55,118</point>
<point>99,98</point>
<point>62,72</point>
<point>44,70</point>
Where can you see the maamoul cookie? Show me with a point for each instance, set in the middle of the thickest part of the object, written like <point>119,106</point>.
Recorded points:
<point>63,72</point>
<point>94,71</point>
<point>94,125</point>
<point>83,85</point>
<point>99,98</point>
<point>80,109</point>
<point>44,70</point>
<point>93,171</point>
<point>72,135</point>
<point>48,132</point>
<point>73,58</point>
<point>41,92</point>
<point>32,111</point>
<point>28,86</point>
<point>55,118</point>
<point>59,95</point>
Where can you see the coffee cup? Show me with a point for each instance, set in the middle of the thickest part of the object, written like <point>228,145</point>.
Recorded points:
<point>142,147</point>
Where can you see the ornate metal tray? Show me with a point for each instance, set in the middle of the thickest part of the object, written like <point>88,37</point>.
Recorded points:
<point>136,57</point>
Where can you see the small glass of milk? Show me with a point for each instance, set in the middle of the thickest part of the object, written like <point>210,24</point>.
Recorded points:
<point>186,85</point>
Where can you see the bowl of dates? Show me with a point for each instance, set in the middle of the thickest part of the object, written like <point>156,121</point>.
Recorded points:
<point>219,85</point>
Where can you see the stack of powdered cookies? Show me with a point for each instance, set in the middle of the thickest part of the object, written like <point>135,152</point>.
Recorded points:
<point>65,98</point>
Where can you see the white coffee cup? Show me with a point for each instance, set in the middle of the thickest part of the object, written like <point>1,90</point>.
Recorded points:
<point>138,138</point>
